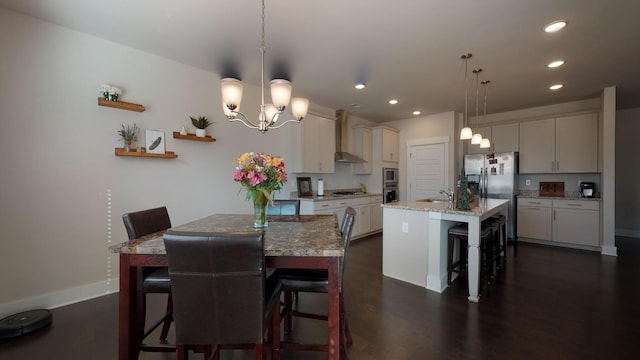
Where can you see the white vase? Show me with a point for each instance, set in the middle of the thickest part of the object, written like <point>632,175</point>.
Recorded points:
<point>201,132</point>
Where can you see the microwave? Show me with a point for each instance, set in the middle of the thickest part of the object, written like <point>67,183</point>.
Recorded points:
<point>390,175</point>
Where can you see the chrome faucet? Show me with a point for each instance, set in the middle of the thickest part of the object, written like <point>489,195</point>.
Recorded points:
<point>449,194</point>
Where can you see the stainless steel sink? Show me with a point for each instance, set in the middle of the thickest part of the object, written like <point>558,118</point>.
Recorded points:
<point>435,201</point>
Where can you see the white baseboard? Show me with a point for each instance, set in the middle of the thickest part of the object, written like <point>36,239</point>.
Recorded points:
<point>61,298</point>
<point>628,233</point>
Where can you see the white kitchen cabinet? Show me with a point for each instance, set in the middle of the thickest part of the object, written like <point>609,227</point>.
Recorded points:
<point>505,138</point>
<point>390,144</point>
<point>534,218</point>
<point>567,144</point>
<point>313,146</point>
<point>576,222</point>
<point>376,213</point>
<point>362,205</point>
<point>361,145</point>
<point>475,148</point>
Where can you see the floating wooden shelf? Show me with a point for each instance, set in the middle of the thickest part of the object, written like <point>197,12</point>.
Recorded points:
<point>121,105</point>
<point>166,155</point>
<point>177,135</point>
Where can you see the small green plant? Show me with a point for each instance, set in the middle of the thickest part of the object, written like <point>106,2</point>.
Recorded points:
<point>129,133</point>
<point>201,122</point>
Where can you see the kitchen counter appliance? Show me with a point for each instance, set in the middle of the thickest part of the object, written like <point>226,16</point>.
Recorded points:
<point>390,185</point>
<point>587,189</point>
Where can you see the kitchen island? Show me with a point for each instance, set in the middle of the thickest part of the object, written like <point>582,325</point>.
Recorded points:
<point>415,240</point>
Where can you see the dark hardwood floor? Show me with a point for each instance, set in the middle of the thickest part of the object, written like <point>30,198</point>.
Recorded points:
<point>549,303</point>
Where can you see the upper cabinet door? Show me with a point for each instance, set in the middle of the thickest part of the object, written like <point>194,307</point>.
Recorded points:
<point>537,146</point>
<point>577,143</point>
<point>390,145</point>
<point>505,138</point>
<point>313,145</point>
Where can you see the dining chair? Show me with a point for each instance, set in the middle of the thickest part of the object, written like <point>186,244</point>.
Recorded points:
<point>220,292</point>
<point>154,280</point>
<point>317,281</point>
<point>284,207</point>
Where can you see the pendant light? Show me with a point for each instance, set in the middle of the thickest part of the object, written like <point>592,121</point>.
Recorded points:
<point>270,113</point>
<point>485,143</point>
<point>466,133</point>
<point>476,139</point>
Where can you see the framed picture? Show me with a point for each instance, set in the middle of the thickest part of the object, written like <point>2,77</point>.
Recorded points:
<point>304,186</point>
<point>154,141</point>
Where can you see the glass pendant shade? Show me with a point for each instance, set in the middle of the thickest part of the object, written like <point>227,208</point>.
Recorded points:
<point>280,93</point>
<point>466,133</point>
<point>299,107</point>
<point>270,110</point>
<point>476,139</point>
<point>485,143</point>
<point>231,93</point>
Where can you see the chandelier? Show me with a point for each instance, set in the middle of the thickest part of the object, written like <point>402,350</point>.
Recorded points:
<point>269,113</point>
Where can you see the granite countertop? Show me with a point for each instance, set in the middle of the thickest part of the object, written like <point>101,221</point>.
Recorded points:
<point>483,205</point>
<point>329,195</point>
<point>568,195</point>
<point>304,235</point>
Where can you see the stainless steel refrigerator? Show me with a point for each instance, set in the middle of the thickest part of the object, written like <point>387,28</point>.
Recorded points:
<point>496,174</point>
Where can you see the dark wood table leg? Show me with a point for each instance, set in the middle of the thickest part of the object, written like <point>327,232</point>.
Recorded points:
<point>334,309</point>
<point>128,331</point>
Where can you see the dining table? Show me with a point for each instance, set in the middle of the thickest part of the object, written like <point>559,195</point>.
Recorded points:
<point>290,241</point>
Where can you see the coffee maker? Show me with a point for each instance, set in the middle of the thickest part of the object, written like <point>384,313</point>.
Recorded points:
<point>587,189</point>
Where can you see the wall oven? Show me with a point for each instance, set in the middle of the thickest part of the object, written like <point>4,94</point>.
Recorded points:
<point>390,185</point>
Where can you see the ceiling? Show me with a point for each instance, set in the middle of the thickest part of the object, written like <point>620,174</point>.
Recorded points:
<point>409,50</point>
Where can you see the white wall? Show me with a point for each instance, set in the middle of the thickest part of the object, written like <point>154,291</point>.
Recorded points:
<point>62,190</point>
<point>627,173</point>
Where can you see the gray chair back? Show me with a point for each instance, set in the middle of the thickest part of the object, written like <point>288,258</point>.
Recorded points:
<point>346,228</point>
<point>284,207</point>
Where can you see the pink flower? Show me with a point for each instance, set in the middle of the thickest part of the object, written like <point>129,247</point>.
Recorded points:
<point>238,175</point>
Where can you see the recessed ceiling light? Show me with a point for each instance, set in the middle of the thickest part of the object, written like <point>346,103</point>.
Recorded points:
<point>355,105</point>
<point>393,101</point>
<point>555,64</point>
<point>556,87</point>
<point>359,86</point>
<point>416,112</point>
<point>555,26</point>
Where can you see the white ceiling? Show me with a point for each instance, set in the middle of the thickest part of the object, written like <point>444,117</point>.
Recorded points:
<point>404,49</point>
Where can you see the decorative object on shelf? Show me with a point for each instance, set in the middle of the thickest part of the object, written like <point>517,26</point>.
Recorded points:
<point>129,134</point>
<point>486,142</point>
<point>463,198</point>
<point>110,92</point>
<point>466,133</point>
<point>183,131</point>
<point>269,113</point>
<point>260,174</point>
<point>154,140</point>
<point>476,139</point>
<point>201,124</point>
<point>188,136</point>
<point>304,186</point>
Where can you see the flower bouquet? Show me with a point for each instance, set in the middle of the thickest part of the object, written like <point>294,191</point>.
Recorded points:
<point>110,92</point>
<point>260,174</point>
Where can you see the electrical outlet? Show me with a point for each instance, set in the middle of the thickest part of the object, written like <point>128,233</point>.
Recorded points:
<point>527,182</point>
<point>405,227</point>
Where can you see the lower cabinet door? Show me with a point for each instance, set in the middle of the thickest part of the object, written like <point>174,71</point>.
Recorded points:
<point>534,222</point>
<point>580,227</point>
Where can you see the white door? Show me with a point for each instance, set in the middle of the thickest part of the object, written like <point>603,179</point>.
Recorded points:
<point>427,170</point>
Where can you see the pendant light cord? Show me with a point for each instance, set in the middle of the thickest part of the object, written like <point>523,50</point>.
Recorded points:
<point>263,49</point>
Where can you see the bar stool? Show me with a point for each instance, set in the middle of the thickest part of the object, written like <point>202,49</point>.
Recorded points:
<point>461,233</point>
<point>499,223</point>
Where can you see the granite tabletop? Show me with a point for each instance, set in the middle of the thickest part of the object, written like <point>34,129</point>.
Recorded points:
<point>286,235</point>
<point>481,207</point>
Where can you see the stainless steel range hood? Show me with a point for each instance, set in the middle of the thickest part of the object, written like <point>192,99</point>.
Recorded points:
<point>342,139</point>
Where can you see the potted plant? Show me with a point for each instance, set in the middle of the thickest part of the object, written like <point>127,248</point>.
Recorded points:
<point>128,134</point>
<point>201,123</point>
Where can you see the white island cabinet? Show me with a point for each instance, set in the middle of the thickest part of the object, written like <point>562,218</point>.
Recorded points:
<point>414,241</point>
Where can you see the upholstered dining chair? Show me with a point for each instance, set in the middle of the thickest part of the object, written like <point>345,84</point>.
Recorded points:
<point>284,207</point>
<point>221,295</point>
<point>317,281</point>
<point>154,280</point>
